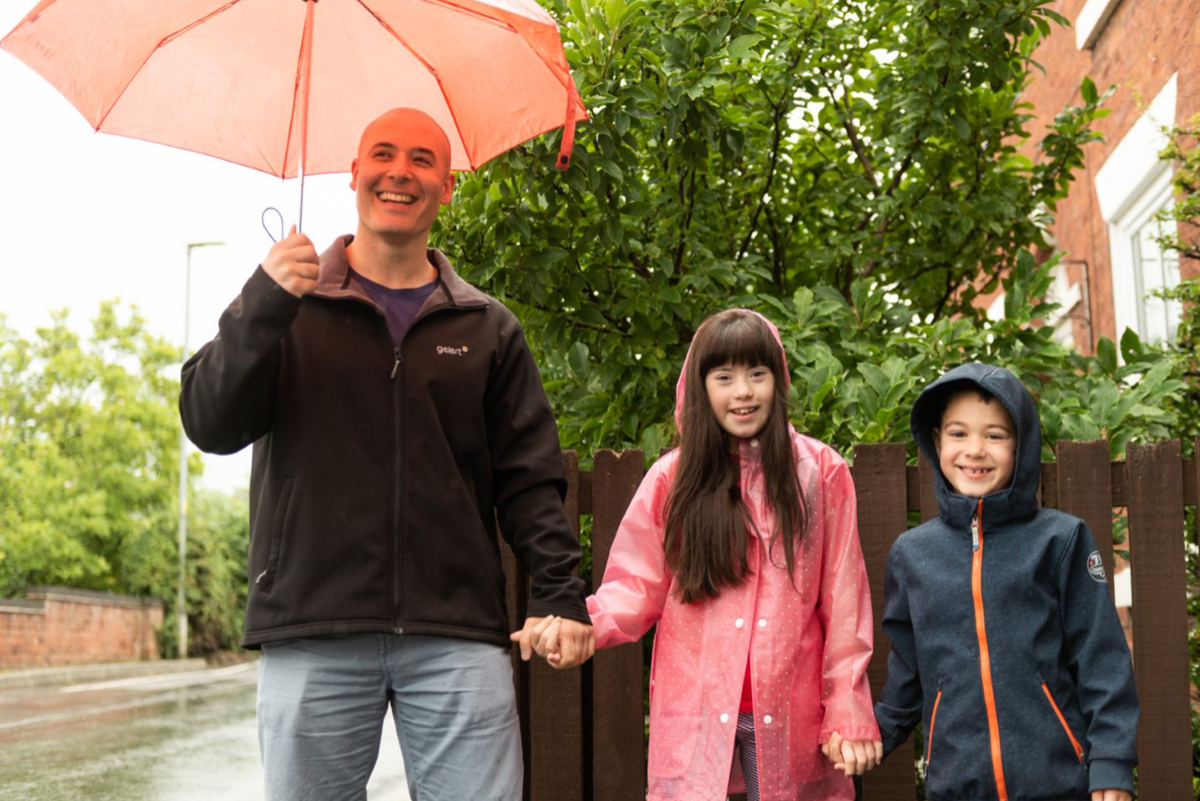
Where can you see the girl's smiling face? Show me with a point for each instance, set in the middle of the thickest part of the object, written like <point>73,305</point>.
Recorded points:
<point>741,397</point>
<point>976,445</point>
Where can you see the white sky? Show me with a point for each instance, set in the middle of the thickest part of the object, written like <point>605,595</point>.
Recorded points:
<point>86,217</point>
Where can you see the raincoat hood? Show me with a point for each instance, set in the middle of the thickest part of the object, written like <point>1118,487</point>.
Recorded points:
<point>1019,500</point>
<point>681,384</point>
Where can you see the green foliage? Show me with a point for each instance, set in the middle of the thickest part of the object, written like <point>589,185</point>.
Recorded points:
<point>762,153</point>
<point>89,432</point>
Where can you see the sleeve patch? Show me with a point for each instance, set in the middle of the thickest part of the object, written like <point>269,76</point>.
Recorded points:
<point>1095,566</point>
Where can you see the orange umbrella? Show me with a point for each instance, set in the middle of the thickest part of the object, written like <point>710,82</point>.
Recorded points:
<point>236,79</point>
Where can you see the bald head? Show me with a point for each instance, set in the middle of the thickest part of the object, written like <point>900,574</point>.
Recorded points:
<point>414,127</point>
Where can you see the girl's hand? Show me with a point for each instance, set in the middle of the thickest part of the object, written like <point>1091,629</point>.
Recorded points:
<point>854,757</point>
<point>1111,795</point>
<point>567,643</point>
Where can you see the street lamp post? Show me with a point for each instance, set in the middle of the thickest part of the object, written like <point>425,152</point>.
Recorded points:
<point>180,605</point>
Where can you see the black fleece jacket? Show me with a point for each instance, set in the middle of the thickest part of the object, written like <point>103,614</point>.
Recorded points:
<point>381,470</point>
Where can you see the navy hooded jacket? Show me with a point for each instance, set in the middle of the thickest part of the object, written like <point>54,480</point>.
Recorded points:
<point>1010,650</point>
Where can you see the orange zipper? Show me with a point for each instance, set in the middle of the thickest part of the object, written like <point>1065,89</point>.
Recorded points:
<point>1074,743</point>
<point>985,662</point>
<point>932,718</point>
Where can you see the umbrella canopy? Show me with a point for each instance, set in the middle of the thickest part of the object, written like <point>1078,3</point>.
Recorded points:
<point>287,86</point>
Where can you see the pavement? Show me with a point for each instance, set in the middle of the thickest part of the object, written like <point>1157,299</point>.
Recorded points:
<point>33,678</point>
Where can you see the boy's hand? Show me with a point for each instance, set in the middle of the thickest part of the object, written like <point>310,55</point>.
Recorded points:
<point>1111,795</point>
<point>853,757</point>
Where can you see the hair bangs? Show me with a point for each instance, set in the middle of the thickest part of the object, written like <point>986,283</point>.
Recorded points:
<point>738,338</point>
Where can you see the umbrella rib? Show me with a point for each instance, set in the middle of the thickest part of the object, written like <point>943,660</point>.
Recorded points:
<point>164,41</point>
<point>432,71</point>
<point>287,147</point>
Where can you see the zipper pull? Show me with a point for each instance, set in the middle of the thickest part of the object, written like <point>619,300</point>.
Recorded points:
<point>396,365</point>
<point>975,533</point>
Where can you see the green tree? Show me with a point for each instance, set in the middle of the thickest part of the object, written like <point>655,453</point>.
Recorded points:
<point>742,151</point>
<point>89,432</point>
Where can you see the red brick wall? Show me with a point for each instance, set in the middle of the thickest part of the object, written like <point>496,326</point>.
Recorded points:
<point>56,626</point>
<point>1141,47</point>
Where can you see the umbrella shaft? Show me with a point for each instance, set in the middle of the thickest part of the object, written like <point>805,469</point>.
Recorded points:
<point>305,78</point>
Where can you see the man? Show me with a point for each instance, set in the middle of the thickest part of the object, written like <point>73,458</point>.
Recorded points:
<point>396,413</point>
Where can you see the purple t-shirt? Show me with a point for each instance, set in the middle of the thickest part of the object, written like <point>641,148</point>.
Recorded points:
<point>400,306</point>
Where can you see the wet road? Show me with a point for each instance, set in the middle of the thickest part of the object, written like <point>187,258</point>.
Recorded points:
<point>177,737</point>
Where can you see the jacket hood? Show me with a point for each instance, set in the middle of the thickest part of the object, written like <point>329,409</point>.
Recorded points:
<point>680,391</point>
<point>1019,500</point>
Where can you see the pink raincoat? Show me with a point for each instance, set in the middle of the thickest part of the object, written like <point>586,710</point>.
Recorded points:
<point>808,645</point>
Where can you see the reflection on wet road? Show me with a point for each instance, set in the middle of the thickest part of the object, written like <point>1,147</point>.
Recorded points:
<point>177,737</point>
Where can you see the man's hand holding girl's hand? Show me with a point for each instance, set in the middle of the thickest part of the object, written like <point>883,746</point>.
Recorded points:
<point>563,643</point>
<point>853,757</point>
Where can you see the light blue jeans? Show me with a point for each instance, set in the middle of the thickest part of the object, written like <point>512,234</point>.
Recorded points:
<point>322,702</point>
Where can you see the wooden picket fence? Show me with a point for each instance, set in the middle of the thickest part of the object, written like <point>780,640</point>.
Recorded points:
<point>583,729</point>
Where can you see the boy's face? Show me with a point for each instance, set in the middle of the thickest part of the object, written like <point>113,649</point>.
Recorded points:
<point>976,445</point>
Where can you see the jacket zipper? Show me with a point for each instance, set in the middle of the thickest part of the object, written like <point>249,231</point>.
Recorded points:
<point>1074,743</point>
<point>397,517</point>
<point>985,662</point>
<point>932,718</point>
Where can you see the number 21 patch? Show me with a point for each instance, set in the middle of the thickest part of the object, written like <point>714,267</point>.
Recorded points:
<point>1095,566</point>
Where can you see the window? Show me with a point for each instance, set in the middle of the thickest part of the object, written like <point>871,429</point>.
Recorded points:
<point>1133,186</point>
<point>1140,266</point>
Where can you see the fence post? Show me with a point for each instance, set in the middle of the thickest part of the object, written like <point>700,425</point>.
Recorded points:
<point>556,702</point>
<point>1085,490</point>
<point>881,484</point>
<point>1160,629</point>
<point>618,719</point>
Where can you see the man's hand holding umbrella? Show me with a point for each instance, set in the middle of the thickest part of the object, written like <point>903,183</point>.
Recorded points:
<point>293,263</point>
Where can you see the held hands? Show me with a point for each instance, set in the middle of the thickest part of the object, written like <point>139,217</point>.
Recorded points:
<point>561,642</point>
<point>855,757</point>
<point>293,263</point>
<point>1111,795</point>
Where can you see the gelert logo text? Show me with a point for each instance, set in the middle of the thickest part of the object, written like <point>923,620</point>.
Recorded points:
<point>450,350</point>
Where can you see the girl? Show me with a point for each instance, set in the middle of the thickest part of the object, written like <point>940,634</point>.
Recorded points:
<point>742,546</point>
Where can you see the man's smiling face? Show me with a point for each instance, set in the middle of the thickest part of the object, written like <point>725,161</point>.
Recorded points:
<point>401,176</point>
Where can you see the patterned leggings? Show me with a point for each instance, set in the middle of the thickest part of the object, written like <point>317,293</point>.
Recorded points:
<point>745,748</point>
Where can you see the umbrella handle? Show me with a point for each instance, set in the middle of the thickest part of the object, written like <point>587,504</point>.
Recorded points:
<point>263,220</point>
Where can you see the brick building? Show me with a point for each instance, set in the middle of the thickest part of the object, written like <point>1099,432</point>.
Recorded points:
<point>1106,228</point>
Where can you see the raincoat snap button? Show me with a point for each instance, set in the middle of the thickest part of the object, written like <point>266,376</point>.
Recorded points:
<point>766,719</point>
<point>762,622</point>
<point>753,443</point>
<point>738,623</point>
<point>724,717</point>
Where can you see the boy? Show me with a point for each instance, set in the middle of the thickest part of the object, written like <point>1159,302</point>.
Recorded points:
<point>1005,642</point>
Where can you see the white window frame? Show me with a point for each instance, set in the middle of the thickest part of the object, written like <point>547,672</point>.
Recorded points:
<point>1132,184</point>
<point>1091,21</point>
<point>1128,299</point>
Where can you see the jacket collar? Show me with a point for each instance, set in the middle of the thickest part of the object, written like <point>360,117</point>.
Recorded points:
<point>333,280</point>
<point>1019,500</point>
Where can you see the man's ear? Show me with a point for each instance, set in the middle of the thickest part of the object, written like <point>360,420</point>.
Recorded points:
<point>354,175</point>
<point>448,188</point>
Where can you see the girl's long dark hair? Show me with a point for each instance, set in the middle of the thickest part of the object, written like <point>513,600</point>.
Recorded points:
<point>707,522</point>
